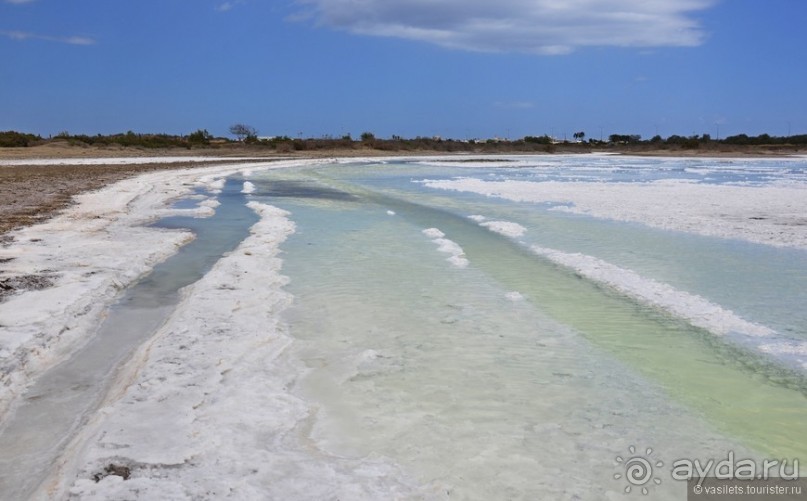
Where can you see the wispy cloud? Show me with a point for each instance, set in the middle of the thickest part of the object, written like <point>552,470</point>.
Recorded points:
<point>227,6</point>
<point>19,1</point>
<point>24,35</point>
<point>532,26</point>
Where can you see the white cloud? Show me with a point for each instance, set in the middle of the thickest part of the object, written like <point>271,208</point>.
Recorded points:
<point>24,35</point>
<point>532,26</point>
<point>19,1</point>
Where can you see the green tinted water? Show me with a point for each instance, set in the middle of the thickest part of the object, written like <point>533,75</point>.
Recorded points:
<point>435,368</point>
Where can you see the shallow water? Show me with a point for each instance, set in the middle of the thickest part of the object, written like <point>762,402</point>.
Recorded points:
<point>483,393</point>
<point>770,289</point>
<point>62,399</point>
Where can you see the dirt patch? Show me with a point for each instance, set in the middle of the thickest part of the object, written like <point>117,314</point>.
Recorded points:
<point>20,283</point>
<point>113,469</point>
<point>30,194</point>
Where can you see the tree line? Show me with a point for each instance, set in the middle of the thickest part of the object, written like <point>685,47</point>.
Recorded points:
<point>247,135</point>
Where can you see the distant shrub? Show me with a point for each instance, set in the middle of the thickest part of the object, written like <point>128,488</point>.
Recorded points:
<point>12,139</point>
<point>538,140</point>
<point>624,138</point>
<point>201,136</point>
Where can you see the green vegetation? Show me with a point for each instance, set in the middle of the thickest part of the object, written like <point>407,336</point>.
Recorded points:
<point>200,137</point>
<point>247,136</point>
<point>11,139</point>
<point>538,140</point>
<point>765,139</point>
<point>624,138</point>
<point>129,139</point>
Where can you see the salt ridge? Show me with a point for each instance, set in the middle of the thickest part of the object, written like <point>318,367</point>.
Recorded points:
<point>456,254</point>
<point>208,412</point>
<point>697,310</point>
<point>92,251</point>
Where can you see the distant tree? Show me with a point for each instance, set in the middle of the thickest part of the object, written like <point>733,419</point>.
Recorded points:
<point>201,136</point>
<point>579,135</point>
<point>9,139</point>
<point>625,138</point>
<point>738,139</point>
<point>538,140</point>
<point>243,132</point>
<point>367,137</point>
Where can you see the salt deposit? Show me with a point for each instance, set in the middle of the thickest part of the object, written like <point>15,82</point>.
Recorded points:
<point>772,215</point>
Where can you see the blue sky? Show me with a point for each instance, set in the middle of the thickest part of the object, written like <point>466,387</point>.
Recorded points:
<point>454,68</point>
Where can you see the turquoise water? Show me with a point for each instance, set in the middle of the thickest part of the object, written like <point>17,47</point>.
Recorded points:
<point>488,394</point>
<point>769,290</point>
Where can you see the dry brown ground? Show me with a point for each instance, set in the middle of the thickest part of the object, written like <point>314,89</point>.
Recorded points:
<point>29,194</point>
